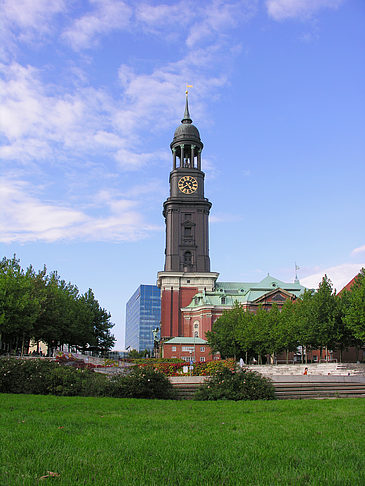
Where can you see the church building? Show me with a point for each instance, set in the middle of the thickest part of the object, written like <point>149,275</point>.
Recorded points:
<point>191,297</point>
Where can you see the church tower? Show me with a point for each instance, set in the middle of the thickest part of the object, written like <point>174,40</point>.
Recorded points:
<point>186,213</point>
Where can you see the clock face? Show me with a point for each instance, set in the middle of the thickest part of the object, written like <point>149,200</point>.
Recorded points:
<point>188,184</point>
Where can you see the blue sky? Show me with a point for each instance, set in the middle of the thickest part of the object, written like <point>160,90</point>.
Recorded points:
<point>92,91</point>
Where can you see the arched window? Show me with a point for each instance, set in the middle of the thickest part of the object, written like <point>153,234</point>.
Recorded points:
<point>196,334</point>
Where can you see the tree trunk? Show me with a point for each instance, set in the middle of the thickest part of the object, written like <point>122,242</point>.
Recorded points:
<point>287,356</point>
<point>22,348</point>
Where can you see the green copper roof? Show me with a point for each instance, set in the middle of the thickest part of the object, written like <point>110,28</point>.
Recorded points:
<point>186,340</point>
<point>227,293</point>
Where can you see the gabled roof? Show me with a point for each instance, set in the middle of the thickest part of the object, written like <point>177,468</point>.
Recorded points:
<point>349,285</point>
<point>186,340</point>
<point>272,293</point>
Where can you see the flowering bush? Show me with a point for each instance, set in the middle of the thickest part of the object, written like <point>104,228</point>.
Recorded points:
<point>227,384</point>
<point>156,360</point>
<point>205,368</point>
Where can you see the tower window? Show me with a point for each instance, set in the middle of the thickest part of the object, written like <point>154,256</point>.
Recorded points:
<point>187,231</point>
<point>187,258</point>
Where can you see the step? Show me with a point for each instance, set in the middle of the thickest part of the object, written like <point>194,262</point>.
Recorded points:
<point>294,390</point>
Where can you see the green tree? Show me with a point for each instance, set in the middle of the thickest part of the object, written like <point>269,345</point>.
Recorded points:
<point>19,305</point>
<point>324,309</point>
<point>245,334</point>
<point>304,321</point>
<point>274,344</point>
<point>354,313</point>
<point>223,336</point>
<point>287,329</point>
<point>100,337</point>
<point>260,333</point>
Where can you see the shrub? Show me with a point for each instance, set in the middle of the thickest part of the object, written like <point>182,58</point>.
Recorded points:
<point>25,376</point>
<point>175,368</point>
<point>241,385</point>
<point>44,377</point>
<point>141,383</point>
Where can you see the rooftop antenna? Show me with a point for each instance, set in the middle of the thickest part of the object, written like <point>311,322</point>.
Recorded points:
<point>296,280</point>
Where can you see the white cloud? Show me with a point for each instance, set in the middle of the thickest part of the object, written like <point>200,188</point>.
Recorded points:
<point>340,275</point>
<point>34,14</point>
<point>26,21</point>
<point>160,17</point>
<point>302,9</point>
<point>108,15</point>
<point>218,17</point>
<point>360,249</point>
<point>24,217</point>
<point>151,99</point>
<point>36,123</point>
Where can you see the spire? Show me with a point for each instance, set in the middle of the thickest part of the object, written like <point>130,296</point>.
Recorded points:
<point>186,118</point>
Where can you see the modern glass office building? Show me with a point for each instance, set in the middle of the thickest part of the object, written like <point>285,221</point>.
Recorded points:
<point>143,313</point>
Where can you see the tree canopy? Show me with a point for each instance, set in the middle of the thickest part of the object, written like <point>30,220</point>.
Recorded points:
<point>315,320</point>
<point>34,305</point>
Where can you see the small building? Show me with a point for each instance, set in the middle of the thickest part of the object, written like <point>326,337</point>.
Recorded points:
<point>189,349</point>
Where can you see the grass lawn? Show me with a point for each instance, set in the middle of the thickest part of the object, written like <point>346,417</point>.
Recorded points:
<point>108,441</point>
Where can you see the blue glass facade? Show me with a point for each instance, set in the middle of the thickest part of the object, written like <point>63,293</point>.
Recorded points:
<point>143,313</point>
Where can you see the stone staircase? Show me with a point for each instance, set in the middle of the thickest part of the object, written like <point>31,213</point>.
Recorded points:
<point>290,386</point>
<point>318,369</point>
<point>293,390</point>
<point>319,389</point>
<point>185,391</point>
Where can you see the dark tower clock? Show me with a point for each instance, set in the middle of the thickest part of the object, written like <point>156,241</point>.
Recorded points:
<point>186,212</point>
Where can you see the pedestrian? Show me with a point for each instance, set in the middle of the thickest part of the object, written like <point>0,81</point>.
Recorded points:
<point>305,371</point>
